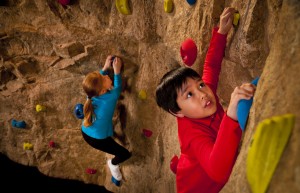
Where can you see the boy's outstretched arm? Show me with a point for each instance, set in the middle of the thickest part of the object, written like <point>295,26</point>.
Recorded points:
<point>215,53</point>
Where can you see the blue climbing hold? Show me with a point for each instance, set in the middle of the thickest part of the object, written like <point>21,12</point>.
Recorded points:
<point>18,124</point>
<point>116,182</point>
<point>191,2</point>
<point>243,108</point>
<point>78,111</point>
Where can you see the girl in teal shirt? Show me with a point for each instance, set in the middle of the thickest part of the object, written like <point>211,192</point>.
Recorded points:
<point>97,126</point>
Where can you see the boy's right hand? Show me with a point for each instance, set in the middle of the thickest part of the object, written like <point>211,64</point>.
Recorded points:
<point>226,19</point>
<point>245,91</point>
<point>117,64</point>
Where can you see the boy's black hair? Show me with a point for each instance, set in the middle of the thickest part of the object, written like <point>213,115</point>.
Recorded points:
<point>170,84</point>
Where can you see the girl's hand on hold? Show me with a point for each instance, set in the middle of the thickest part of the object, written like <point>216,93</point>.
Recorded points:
<point>226,19</point>
<point>107,62</point>
<point>245,91</point>
<point>117,64</point>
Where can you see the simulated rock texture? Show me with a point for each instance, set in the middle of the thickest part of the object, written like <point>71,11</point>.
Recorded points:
<point>46,49</point>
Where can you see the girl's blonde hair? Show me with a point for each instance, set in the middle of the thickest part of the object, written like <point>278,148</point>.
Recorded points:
<point>92,85</point>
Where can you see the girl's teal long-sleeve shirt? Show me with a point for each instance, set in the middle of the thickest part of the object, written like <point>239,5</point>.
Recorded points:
<point>104,106</point>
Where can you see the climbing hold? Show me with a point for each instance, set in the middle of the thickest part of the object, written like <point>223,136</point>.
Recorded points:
<point>191,2</point>
<point>243,108</point>
<point>174,163</point>
<point>168,6</point>
<point>116,182</point>
<point>112,60</point>
<point>64,2</point>
<point>188,52</point>
<point>268,143</point>
<point>51,144</point>
<point>40,108</point>
<point>147,133</point>
<point>78,111</point>
<point>142,94</point>
<point>236,17</point>
<point>122,6</point>
<point>90,171</point>
<point>27,146</point>
<point>18,124</point>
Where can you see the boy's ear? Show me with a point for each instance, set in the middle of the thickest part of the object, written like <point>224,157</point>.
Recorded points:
<point>178,114</point>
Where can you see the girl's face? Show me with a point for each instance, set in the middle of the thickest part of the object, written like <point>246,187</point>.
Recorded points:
<point>195,99</point>
<point>106,83</point>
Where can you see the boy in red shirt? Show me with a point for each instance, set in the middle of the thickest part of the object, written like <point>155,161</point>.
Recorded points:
<point>209,137</point>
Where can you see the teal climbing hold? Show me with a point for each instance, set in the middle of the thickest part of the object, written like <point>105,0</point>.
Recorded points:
<point>191,2</point>
<point>18,124</point>
<point>243,108</point>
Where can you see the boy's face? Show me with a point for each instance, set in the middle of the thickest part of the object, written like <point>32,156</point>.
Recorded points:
<point>195,99</point>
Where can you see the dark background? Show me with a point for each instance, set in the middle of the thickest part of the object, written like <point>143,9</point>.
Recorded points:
<point>14,176</point>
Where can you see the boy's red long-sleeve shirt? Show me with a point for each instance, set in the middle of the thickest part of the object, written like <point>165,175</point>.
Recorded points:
<point>209,146</point>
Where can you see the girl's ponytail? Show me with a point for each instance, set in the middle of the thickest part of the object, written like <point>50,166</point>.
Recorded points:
<point>88,113</point>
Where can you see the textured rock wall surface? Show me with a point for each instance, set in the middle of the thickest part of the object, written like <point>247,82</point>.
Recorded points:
<point>46,49</point>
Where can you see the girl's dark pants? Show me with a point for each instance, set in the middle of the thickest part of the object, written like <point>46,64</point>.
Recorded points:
<point>109,145</point>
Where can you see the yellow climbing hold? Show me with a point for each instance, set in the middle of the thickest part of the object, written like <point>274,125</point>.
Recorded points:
<point>168,6</point>
<point>27,146</point>
<point>236,17</point>
<point>122,6</point>
<point>40,108</point>
<point>142,94</point>
<point>268,143</point>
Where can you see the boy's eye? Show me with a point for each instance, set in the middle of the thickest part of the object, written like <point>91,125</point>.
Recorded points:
<point>202,84</point>
<point>189,95</point>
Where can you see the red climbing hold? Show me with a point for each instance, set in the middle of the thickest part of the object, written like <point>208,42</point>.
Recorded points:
<point>64,2</point>
<point>91,171</point>
<point>174,163</point>
<point>188,51</point>
<point>147,133</point>
<point>51,144</point>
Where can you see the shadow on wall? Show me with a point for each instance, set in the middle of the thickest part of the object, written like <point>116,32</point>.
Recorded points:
<point>15,177</point>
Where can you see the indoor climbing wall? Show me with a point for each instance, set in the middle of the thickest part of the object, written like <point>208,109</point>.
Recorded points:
<point>47,47</point>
